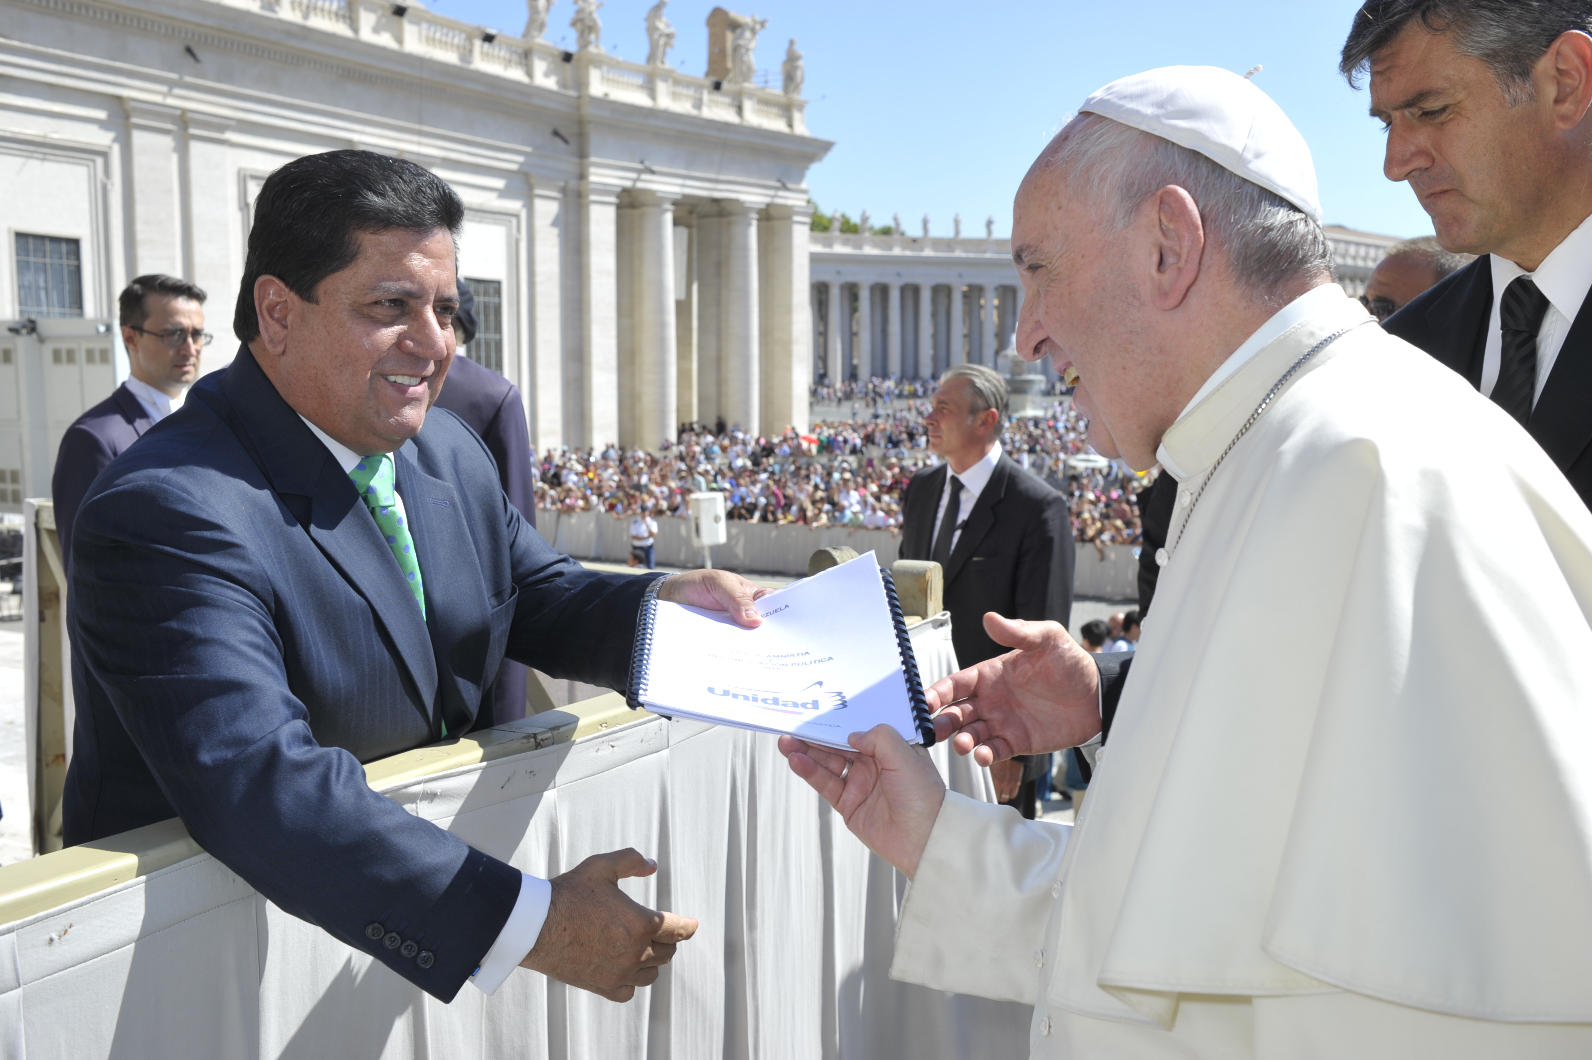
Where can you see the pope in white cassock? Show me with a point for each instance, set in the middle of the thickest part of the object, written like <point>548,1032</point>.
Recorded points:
<point>1375,587</point>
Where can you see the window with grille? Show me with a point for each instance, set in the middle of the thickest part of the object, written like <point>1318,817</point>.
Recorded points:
<point>487,346</point>
<point>49,277</point>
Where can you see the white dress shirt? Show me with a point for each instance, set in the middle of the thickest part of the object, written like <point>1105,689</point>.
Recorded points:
<point>157,403</point>
<point>524,924</point>
<point>974,479</point>
<point>1565,277</point>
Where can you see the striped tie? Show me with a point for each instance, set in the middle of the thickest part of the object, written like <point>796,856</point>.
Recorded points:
<point>373,477</point>
<point>1520,316</point>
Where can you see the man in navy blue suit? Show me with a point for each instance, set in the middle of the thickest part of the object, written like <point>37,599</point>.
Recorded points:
<point>163,328</point>
<point>248,627</point>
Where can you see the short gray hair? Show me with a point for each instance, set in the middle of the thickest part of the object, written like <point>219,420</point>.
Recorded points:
<point>1269,242</point>
<point>1508,35</point>
<point>989,389</point>
<point>1443,262</point>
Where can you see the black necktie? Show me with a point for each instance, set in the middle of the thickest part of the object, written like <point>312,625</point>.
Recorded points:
<point>942,539</point>
<point>1520,315</point>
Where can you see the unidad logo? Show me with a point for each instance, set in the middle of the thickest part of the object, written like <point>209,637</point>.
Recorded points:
<point>809,700</point>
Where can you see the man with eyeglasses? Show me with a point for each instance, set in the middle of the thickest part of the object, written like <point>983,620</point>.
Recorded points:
<point>163,327</point>
<point>1409,268</point>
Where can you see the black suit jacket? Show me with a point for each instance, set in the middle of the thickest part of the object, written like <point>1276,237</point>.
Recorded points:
<point>1450,323</point>
<point>1015,554</point>
<point>95,438</point>
<point>491,406</point>
<point>242,641</point>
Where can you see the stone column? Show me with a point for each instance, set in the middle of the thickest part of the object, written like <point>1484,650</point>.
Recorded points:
<point>987,353</point>
<point>685,319</point>
<point>785,369</point>
<point>651,376</point>
<point>832,344</point>
<point>710,314</point>
<point>154,193</point>
<point>925,357</point>
<point>740,330</point>
<point>544,384</point>
<point>599,382</point>
<point>893,330</point>
<point>863,354</point>
<point>956,352</point>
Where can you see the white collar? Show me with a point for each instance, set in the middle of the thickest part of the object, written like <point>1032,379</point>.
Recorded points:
<point>156,402</point>
<point>346,458</point>
<point>1563,275</point>
<point>1286,317</point>
<point>1311,303</point>
<point>975,478</point>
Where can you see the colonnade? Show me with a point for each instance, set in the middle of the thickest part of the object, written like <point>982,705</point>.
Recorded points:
<point>690,309</point>
<point>917,329</point>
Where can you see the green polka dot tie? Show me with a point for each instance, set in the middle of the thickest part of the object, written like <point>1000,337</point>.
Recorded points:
<point>373,477</point>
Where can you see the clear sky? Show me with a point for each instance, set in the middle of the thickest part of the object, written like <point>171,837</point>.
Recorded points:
<point>938,107</point>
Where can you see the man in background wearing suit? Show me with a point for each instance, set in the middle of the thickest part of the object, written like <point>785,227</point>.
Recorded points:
<point>1485,104</point>
<point>490,405</point>
<point>163,327</point>
<point>302,571</point>
<point>1003,537</point>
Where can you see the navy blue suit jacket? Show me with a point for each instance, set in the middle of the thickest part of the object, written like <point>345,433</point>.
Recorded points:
<point>242,641</point>
<point>1450,320</point>
<point>95,438</point>
<point>491,406</point>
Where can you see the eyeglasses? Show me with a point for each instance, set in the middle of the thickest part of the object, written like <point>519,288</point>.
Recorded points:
<point>175,337</point>
<point>1380,307</point>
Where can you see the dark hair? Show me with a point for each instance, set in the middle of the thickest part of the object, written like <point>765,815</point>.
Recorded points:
<point>132,311</point>
<point>311,212</point>
<point>1130,620</point>
<point>1508,35</point>
<point>1094,632</point>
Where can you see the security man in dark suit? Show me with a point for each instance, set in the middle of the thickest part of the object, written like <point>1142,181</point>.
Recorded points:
<point>1003,537</point>
<point>163,327</point>
<point>1485,104</point>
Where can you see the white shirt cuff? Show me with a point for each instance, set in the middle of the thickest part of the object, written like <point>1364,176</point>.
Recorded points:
<point>519,934</point>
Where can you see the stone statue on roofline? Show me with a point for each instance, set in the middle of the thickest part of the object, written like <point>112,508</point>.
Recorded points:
<point>742,47</point>
<point>989,228</point>
<point>925,226</point>
<point>587,26</point>
<point>792,70</point>
<point>956,227</point>
<point>536,18</point>
<point>863,222</point>
<point>660,35</point>
<point>895,222</point>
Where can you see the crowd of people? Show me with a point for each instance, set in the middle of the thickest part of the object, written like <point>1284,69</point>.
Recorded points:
<point>837,473</point>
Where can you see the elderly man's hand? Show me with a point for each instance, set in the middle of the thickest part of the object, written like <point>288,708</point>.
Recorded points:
<point>888,792</point>
<point>1044,696</point>
<point>595,937</point>
<point>716,590</point>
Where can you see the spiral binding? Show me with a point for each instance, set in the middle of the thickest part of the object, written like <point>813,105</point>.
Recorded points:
<point>909,662</point>
<point>642,651</point>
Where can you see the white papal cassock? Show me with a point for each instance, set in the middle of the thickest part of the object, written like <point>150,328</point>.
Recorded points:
<point>1346,805</point>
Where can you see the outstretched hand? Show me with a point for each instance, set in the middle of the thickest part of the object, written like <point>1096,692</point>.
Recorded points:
<point>888,793</point>
<point>597,938</point>
<point>1044,696</point>
<point>716,590</point>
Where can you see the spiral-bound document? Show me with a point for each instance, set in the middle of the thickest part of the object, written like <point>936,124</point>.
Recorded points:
<point>831,658</point>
